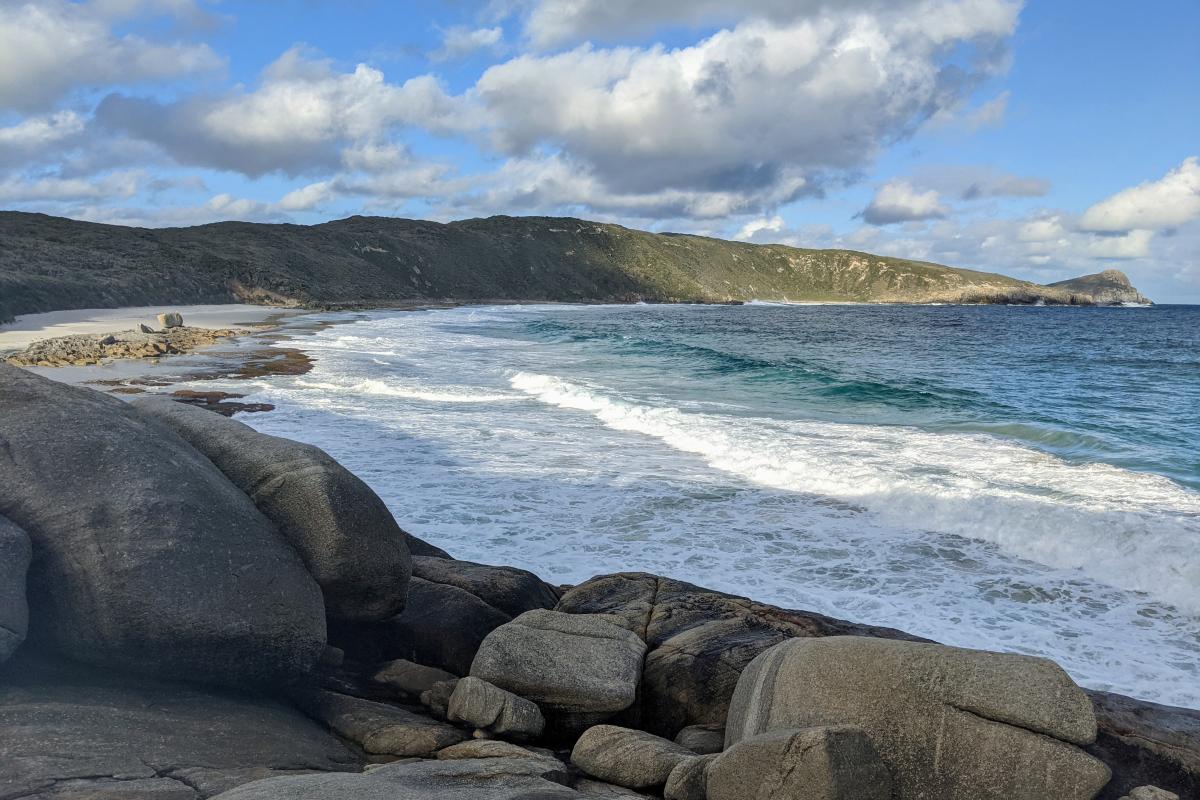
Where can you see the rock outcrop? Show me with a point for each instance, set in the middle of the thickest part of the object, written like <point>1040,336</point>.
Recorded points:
<point>698,641</point>
<point>146,557</point>
<point>83,349</point>
<point>1108,288</point>
<point>581,669</point>
<point>342,530</point>
<point>15,552</point>
<point>948,723</point>
<point>631,758</point>
<point>455,779</point>
<point>64,725</point>
<point>1147,743</point>
<point>835,763</point>
<point>452,606</point>
<point>491,711</point>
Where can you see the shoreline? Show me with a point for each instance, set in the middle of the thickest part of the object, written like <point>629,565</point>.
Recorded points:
<point>447,668</point>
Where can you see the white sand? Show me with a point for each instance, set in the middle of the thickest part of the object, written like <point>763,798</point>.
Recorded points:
<point>31,327</point>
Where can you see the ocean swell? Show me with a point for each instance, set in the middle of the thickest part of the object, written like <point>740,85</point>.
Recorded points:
<point>1130,530</point>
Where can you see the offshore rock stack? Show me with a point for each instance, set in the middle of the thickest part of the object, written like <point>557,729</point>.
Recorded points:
<point>191,609</point>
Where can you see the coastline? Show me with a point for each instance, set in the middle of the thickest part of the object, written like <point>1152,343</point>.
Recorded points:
<point>1136,737</point>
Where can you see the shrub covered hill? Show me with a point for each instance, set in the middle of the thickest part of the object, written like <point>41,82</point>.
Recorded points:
<point>50,263</point>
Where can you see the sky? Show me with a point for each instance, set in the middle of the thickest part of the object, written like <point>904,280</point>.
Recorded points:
<point>1039,139</point>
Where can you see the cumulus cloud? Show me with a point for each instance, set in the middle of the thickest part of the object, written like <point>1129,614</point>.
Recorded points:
<point>1165,203</point>
<point>49,47</point>
<point>755,226</point>
<point>556,184</point>
<point>460,41</point>
<point>898,201</point>
<point>113,186</point>
<point>298,120</point>
<point>1135,244</point>
<point>748,108</point>
<point>550,23</point>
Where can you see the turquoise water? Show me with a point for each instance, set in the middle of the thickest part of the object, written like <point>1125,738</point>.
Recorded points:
<point>1023,479</point>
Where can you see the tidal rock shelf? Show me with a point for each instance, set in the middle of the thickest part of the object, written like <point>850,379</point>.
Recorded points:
<point>191,609</point>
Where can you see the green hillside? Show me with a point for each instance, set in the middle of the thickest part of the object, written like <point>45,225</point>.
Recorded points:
<point>51,263</point>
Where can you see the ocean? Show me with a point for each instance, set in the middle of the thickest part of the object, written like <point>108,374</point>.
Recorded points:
<point>1012,478</point>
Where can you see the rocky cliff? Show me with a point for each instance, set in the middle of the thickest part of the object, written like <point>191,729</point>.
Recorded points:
<point>50,263</point>
<point>1110,287</point>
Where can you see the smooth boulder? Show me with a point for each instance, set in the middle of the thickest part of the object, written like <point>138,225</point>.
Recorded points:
<point>836,763</point>
<point>948,723</point>
<point>689,779</point>
<point>493,711</point>
<point>146,557</point>
<point>342,530</point>
<point>15,552</point>
<point>452,606</point>
<point>630,758</point>
<point>379,728</point>
<point>698,641</point>
<point>580,668</point>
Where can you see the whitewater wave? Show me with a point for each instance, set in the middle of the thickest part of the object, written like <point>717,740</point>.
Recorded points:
<point>378,388</point>
<point>1130,530</point>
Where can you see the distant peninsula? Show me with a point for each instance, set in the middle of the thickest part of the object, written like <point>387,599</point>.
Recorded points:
<point>51,263</point>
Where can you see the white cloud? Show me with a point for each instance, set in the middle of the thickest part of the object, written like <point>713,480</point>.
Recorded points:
<point>549,23</point>
<point>1135,244</point>
<point>555,184</point>
<point>38,131</point>
<point>747,108</point>
<point>460,41</point>
<point>114,185</point>
<point>773,225</point>
<point>1165,203</point>
<point>307,197</point>
<point>49,47</point>
<point>898,201</point>
<point>299,119</point>
<point>1046,229</point>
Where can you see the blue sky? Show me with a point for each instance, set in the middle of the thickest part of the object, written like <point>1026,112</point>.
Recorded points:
<point>1040,139</point>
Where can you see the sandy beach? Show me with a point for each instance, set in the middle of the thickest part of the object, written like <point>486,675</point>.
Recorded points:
<point>30,328</point>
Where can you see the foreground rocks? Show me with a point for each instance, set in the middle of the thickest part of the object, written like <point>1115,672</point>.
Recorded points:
<point>1147,744</point>
<point>379,728</point>
<point>698,641</point>
<point>493,711</point>
<point>948,723</point>
<point>15,553</point>
<point>68,726</point>
<point>473,779</point>
<point>452,606</point>
<point>580,669</point>
<point>833,763</point>
<point>79,350</point>
<point>344,533</point>
<point>147,558</point>
<point>630,758</point>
